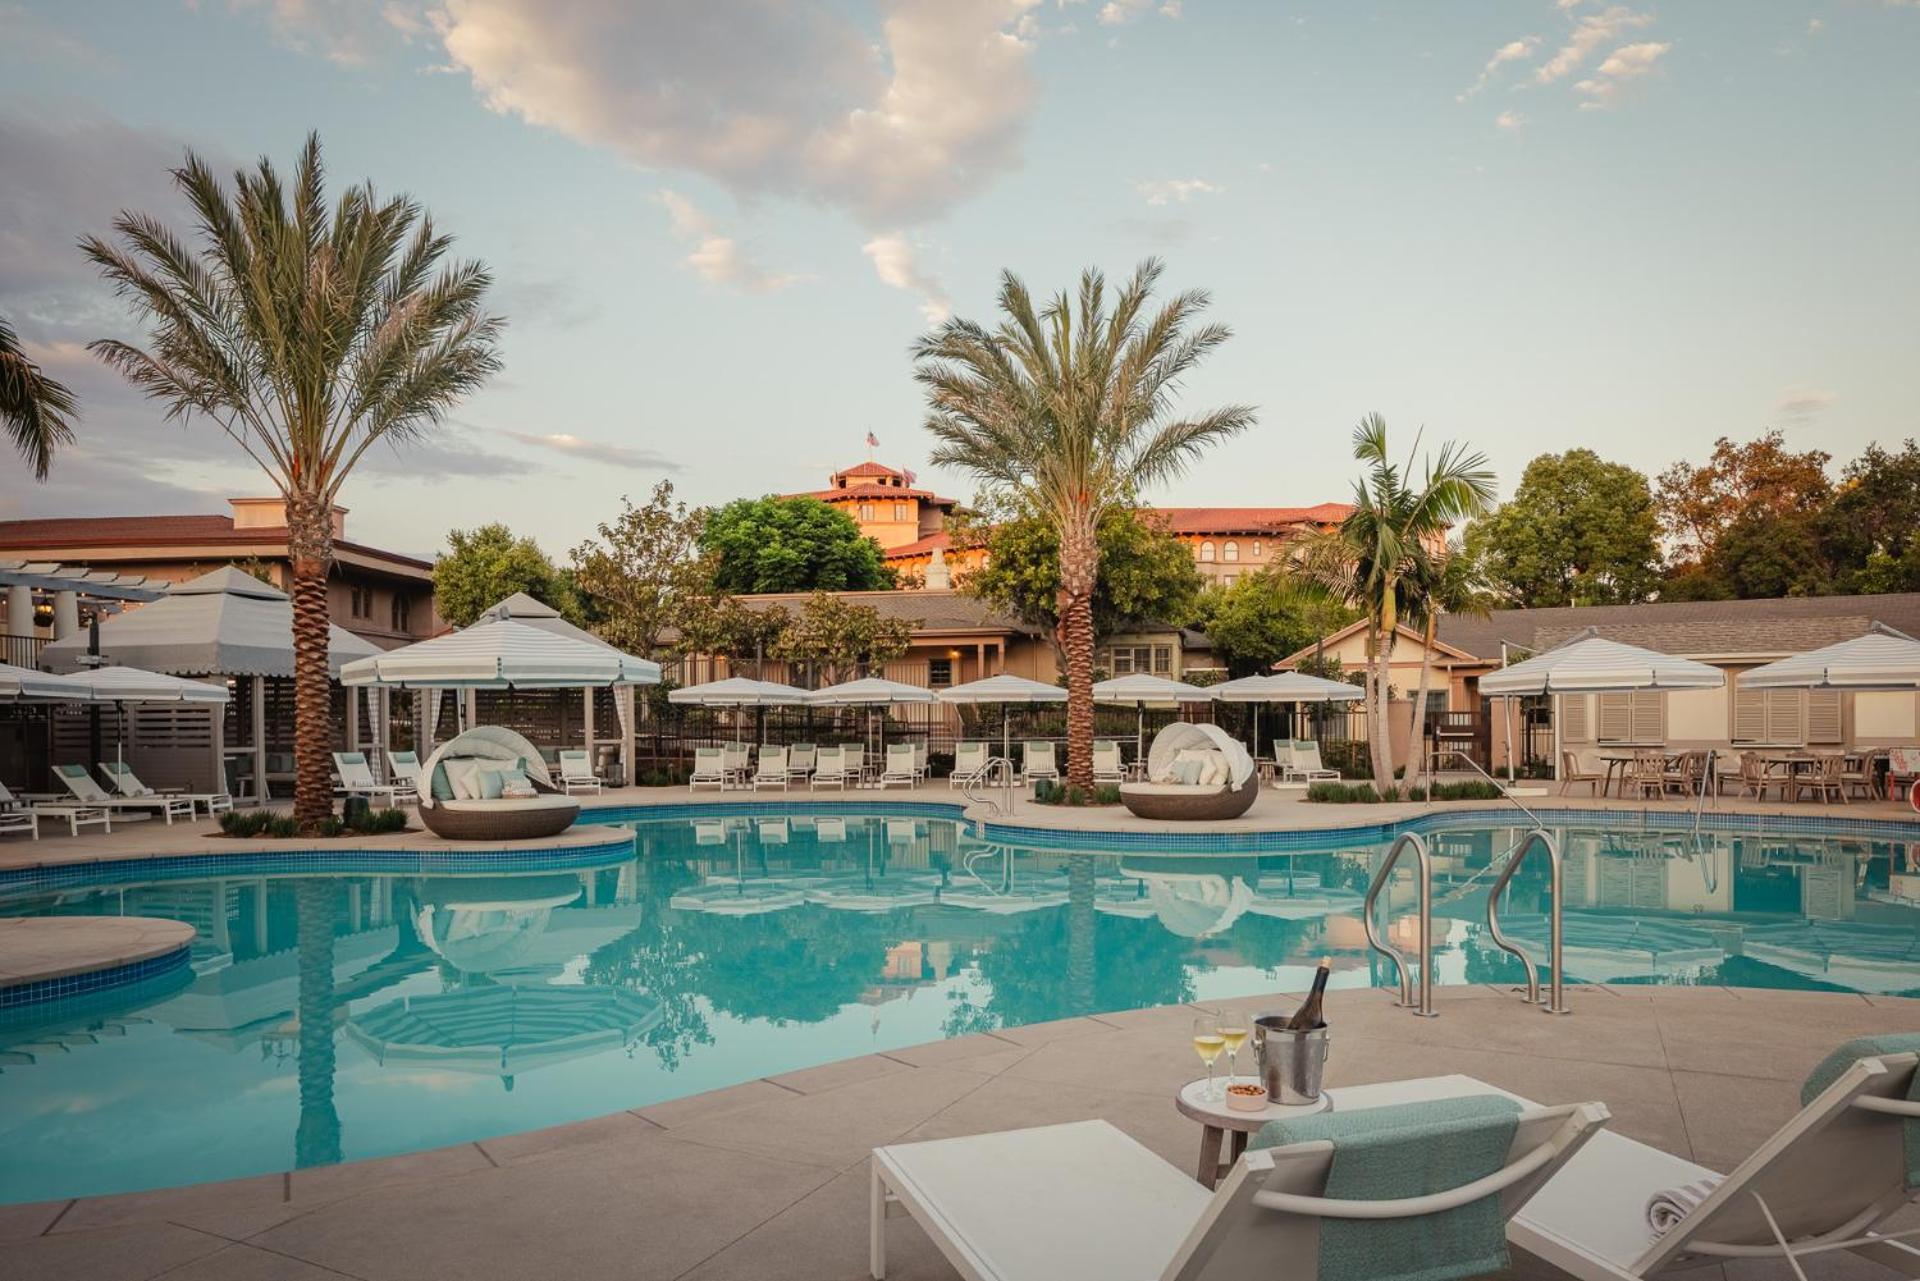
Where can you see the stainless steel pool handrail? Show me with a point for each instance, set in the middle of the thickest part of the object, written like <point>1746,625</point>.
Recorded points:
<point>1538,838</point>
<point>985,778</point>
<point>1504,793</point>
<point>1408,840</point>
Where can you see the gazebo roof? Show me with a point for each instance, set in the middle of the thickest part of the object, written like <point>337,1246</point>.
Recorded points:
<point>522,608</point>
<point>224,623</point>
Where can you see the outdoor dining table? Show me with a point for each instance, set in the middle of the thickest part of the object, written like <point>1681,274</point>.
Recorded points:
<point>1618,759</point>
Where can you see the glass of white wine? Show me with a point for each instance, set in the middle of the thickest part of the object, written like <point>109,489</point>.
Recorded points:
<point>1233,1032</point>
<point>1208,1044</point>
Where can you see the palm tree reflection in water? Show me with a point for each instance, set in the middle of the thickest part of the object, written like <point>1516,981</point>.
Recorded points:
<point>317,1141</point>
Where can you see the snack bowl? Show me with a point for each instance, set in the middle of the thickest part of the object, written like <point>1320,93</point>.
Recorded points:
<point>1244,1096</point>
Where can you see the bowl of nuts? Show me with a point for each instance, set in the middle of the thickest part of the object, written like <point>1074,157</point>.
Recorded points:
<point>1244,1096</point>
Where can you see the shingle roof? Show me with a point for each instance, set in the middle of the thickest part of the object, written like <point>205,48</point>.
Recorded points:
<point>1759,627</point>
<point>137,532</point>
<point>932,610</point>
<point>1247,520</point>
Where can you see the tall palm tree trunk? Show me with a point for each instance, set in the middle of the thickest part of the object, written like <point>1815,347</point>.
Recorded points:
<point>310,547</point>
<point>1379,725</point>
<point>1079,565</point>
<point>1416,741</point>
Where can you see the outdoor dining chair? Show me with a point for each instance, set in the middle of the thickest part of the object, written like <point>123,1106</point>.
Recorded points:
<point>1572,774</point>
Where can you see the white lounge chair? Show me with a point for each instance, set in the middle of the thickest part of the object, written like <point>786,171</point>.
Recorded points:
<point>404,767</point>
<point>899,769</point>
<point>13,810</point>
<point>90,794</point>
<point>773,768</point>
<point>829,768</point>
<point>1829,1179</point>
<point>738,759</point>
<point>800,760</point>
<point>1083,1201</point>
<point>1107,765</point>
<point>576,773</point>
<point>969,764</point>
<point>356,779</point>
<point>856,756</point>
<point>124,781</point>
<point>709,769</point>
<point>1282,760</point>
<point>1036,761</point>
<point>920,761</point>
<point>1306,762</point>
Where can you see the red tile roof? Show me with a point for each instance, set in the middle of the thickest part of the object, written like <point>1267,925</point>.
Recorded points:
<point>1247,520</point>
<point>869,469</point>
<point>875,491</point>
<point>133,533</point>
<point>919,546</point>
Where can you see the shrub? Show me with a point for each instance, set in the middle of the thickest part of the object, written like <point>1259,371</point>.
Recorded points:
<point>1473,789</point>
<point>1350,794</point>
<point>1075,796</point>
<point>282,826</point>
<point>1107,794</point>
<point>332,825</point>
<point>380,821</point>
<point>1046,792</point>
<point>245,822</point>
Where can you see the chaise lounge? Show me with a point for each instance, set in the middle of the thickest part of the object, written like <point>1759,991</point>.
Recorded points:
<point>1194,773</point>
<point>489,784</point>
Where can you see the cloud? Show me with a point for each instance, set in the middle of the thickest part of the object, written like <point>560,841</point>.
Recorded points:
<point>348,32</point>
<point>1802,402</point>
<point>720,258</point>
<point>595,451</point>
<point>1512,51</point>
<point>893,262</point>
<point>1118,13</point>
<point>447,452</point>
<point>1629,62</point>
<point>1589,33</point>
<point>1816,25</point>
<point>1176,190</point>
<point>1510,121</point>
<point>1165,233</point>
<point>784,97</point>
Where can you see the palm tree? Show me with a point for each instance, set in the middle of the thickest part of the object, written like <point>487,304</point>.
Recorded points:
<point>1066,410</point>
<point>1376,557</point>
<point>1448,581</point>
<point>37,410</point>
<point>307,334</point>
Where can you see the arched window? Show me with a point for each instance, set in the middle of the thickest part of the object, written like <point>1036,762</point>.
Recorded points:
<point>1206,550</point>
<point>1231,551</point>
<point>1256,549</point>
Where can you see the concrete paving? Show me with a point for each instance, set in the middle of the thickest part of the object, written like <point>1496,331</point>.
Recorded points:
<point>35,948</point>
<point>768,1179</point>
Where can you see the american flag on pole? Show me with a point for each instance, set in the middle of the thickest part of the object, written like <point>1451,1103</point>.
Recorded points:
<point>873,441</point>
<point>908,476</point>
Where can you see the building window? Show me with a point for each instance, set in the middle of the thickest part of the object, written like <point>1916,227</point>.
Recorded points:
<point>900,512</point>
<point>939,673</point>
<point>1231,551</point>
<point>1256,549</point>
<point>1206,550</point>
<point>1162,659</point>
<point>402,609</point>
<point>866,512</point>
<point>362,602</point>
<point>1228,580</point>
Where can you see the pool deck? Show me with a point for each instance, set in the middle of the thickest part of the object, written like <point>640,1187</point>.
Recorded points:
<point>38,949</point>
<point>768,1178</point>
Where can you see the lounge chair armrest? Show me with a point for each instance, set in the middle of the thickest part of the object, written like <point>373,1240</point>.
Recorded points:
<point>1893,1107</point>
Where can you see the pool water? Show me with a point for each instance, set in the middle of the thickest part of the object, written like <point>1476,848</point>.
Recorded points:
<point>335,1016</point>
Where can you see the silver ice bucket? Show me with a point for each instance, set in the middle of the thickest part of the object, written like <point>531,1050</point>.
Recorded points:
<point>1291,1064</point>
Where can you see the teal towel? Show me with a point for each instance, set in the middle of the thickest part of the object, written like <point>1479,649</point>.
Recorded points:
<point>1872,1047</point>
<point>1410,1150</point>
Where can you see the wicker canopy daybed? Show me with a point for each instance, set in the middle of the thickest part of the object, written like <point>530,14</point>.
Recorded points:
<point>1226,786</point>
<point>473,818</point>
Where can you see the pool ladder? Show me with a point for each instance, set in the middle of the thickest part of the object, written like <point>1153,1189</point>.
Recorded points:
<point>1416,983</point>
<point>998,771</point>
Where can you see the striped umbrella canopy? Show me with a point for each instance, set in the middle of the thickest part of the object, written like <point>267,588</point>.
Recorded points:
<point>23,683</point>
<point>1595,665</point>
<point>500,1030</point>
<point>1005,690</point>
<point>1141,690</point>
<point>738,691</point>
<point>502,655</point>
<point>871,691</point>
<point>1883,659</point>
<point>131,685</point>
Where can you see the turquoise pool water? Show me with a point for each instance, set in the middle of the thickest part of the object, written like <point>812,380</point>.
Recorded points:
<point>332,1015</point>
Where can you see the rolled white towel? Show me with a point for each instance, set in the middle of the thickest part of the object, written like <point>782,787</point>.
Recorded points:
<point>1666,1208</point>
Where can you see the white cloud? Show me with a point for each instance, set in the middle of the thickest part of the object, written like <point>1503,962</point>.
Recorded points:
<point>1510,121</point>
<point>1512,51</point>
<point>1801,401</point>
<point>718,257</point>
<point>348,32</point>
<point>1163,191</point>
<point>1629,62</point>
<point>1816,25</point>
<point>595,451</point>
<point>1589,33</point>
<point>787,97</point>
<point>1117,13</point>
<point>893,261</point>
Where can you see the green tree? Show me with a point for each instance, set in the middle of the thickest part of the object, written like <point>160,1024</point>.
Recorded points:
<point>836,639</point>
<point>1378,558</point>
<point>1577,531</point>
<point>790,545</point>
<point>726,627</point>
<point>308,332</point>
<point>1146,575</point>
<point>484,566</point>
<point>1066,410</point>
<point>1762,479</point>
<point>1871,529</point>
<point>1762,556</point>
<point>644,564</point>
<point>1265,617</point>
<point>37,410</point>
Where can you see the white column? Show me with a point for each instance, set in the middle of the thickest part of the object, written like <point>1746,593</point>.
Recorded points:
<point>383,724</point>
<point>259,731</point>
<point>20,621</point>
<point>353,719</point>
<point>471,702</point>
<point>623,703</point>
<point>586,723</point>
<point>66,614</point>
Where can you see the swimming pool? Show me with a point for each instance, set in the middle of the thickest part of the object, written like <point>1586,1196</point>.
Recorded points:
<point>335,1015</point>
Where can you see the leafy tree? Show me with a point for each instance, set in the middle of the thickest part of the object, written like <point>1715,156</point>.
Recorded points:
<point>723,625</point>
<point>483,566</point>
<point>1577,531</point>
<point>1265,617</point>
<point>790,545</point>
<point>1761,556</point>
<point>644,564</point>
<point>1378,558</point>
<point>308,332</point>
<point>1872,527</point>
<point>836,638</point>
<point>1762,479</point>
<point>1066,409</point>
<point>1146,575</point>
<point>37,410</point>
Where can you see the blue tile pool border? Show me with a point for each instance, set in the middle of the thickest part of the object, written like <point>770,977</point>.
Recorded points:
<point>70,986</point>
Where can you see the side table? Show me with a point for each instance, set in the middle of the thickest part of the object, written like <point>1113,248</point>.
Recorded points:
<point>1217,1120</point>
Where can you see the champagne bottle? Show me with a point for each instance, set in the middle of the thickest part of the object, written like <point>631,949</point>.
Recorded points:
<point>1311,1013</point>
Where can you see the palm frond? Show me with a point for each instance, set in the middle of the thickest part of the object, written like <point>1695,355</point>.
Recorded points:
<point>38,411</point>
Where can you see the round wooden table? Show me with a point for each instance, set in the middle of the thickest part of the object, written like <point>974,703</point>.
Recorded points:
<point>1217,1120</point>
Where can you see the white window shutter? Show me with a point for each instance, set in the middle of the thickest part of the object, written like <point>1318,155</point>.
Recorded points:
<point>1575,725</point>
<point>1649,717</point>
<point>1616,718</point>
<point>1823,716</point>
<point>1786,721</point>
<point>1750,716</point>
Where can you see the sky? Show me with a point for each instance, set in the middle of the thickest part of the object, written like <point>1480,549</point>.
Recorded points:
<point>717,228</point>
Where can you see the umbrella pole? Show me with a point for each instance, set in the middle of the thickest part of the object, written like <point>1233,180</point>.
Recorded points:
<point>1006,731</point>
<point>1508,718</point>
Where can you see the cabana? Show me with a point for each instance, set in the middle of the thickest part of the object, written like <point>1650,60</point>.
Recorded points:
<point>522,608</point>
<point>226,624</point>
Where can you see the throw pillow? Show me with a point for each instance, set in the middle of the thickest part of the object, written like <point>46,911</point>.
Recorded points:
<point>461,775</point>
<point>490,784</point>
<point>442,786</point>
<point>1188,773</point>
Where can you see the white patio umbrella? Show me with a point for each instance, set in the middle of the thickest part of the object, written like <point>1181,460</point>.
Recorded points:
<point>1141,690</point>
<point>871,691</point>
<point>23,684</point>
<point>1591,664</point>
<point>739,691</point>
<point>1283,687</point>
<point>123,685</point>
<point>1006,691</point>
<point>1883,659</point>
<point>501,655</point>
